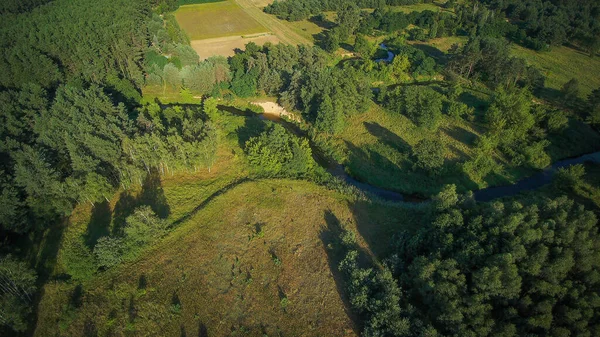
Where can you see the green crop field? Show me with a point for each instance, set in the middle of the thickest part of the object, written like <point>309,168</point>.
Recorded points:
<point>562,64</point>
<point>217,19</point>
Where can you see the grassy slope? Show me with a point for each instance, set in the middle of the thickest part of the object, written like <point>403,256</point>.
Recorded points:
<point>218,19</point>
<point>222,279</point>
<point>377,147</point>
<point>562,64</point>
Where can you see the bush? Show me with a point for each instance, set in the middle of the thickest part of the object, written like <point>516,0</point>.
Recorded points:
<point>17,287</point>
<point>143,226</point>
<point>568,178</point>
<point>536,156</point>
<point>458,110</point>
<point>108,251</point>
<point>275,152</point>
<point>423,105</point>
<point>429,155</point>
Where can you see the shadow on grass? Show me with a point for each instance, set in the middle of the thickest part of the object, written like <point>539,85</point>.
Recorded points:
<point>253,126</point>
<point>152,194</point>
<point>480,105</point>
<point>44,258</point>
<point>387,137</point>
<point>325,24</point>
<point>99,224</point>
<point>439,56</point>
<point>202,330</point>
<point>460,134</point>
<point>209,199</point>
<point>335,253</point>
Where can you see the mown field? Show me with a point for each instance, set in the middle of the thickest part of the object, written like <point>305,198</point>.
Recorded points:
<point>218,19</point>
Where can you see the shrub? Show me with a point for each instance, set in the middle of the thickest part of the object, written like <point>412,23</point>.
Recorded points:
<point>275,152</point>
<point>429,154</point>
<point>108,251</point>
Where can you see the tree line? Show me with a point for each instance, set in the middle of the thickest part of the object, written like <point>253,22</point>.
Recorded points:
<point>509,268</point>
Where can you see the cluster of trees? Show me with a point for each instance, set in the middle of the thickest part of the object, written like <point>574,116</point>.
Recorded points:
<point>295,10</point>
<point>72,128</point>
<point>540,24</point>
<point>508,269</point>
<point>44,46</point>
<point>489,60</point>
<point>421,104</point>
<point>428,24</point>
<point>141,228</point>
<point>170,62</point>
<point>304,81</point>
<point>81,145</point>
<point>275,152</point>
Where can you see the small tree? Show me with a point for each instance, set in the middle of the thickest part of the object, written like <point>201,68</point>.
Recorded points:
<point>570,91</point>
<point>17,285</point>
<point>143,226</point>
<point>568,178</point>
<point>447,198</point>
<point>429,155</point>
<point>108,251</point>
<point>363,47</point>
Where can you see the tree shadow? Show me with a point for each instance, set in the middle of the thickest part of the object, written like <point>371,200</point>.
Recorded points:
<point>387,137</point>
<point>330,238</point>
<point>76,299</point>
<point>325,24</point>
<point>202,330</point>
<point>123,208</point>
<point>154,196</point>
<point>142,282</point>
<point>252,126</point>
<point>99,224</point>
<point>182,331</point>
<point>439,56</point>
<point>474,102</point>
<point>460,134</point>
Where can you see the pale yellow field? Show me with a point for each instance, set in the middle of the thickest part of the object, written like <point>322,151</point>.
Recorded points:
<point>226,46</point>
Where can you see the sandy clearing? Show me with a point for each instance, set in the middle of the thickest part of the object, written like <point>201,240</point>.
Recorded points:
<point>276,110</point>
<point>226,46</point>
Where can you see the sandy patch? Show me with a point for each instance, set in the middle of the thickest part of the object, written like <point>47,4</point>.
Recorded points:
<point>226,46</point>
<point>276,110</point>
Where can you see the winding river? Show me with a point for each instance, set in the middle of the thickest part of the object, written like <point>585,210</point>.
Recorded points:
<point>337,170</point>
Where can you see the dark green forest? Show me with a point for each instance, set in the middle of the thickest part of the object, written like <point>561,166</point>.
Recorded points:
<point>76,128</point>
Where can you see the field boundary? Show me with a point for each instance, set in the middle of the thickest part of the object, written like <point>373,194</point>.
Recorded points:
<point>283,32</point>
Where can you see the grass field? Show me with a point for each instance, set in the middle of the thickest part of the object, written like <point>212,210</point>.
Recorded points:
<point>377,145</point>
<point>562,64</point>
<point>260,268</point>
<point>218,19</point>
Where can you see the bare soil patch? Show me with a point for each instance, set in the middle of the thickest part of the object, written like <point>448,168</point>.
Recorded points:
<point>275,110</point>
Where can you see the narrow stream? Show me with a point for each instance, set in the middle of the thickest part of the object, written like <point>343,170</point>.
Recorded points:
<point>337,170</point>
